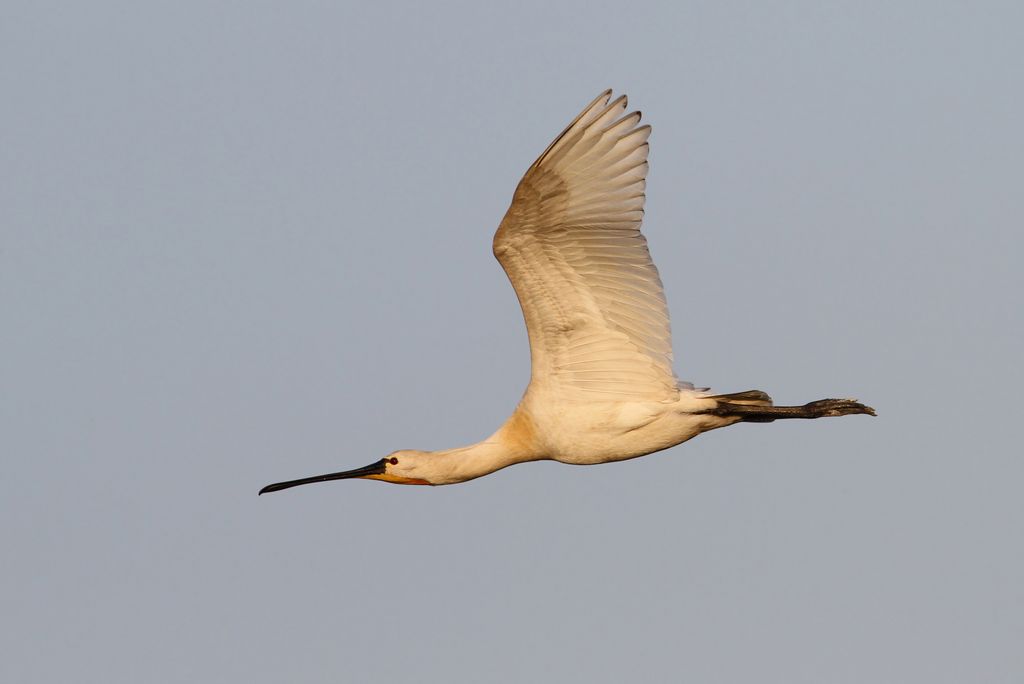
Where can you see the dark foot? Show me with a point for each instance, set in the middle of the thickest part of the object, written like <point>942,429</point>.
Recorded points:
<point>823,408</point>
<point>836,407</point>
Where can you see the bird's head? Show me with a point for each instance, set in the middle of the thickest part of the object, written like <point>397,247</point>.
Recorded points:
<point>408,466</point>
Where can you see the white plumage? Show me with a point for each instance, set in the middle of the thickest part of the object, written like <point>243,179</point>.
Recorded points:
<point>602,386</point>
<point>571,245</point>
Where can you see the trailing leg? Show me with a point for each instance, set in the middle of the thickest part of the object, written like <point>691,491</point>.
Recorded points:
<point>763,412</point>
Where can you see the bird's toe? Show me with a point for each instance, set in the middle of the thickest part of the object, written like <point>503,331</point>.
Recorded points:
<point>839,407</point>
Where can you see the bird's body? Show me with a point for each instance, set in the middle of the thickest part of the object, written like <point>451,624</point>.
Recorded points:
<point>605,431</point>
<point>602,386</point>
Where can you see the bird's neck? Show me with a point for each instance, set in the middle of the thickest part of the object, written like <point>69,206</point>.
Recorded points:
<point>514,442</point>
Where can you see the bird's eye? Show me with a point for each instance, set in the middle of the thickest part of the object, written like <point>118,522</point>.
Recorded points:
<point>393,461</point>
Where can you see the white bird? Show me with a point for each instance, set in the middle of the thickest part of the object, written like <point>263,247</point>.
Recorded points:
<point>602,387</point>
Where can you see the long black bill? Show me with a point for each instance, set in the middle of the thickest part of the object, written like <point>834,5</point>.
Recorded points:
<point>372,469</point>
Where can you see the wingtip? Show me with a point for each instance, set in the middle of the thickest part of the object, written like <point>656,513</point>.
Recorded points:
<point>621,101</point>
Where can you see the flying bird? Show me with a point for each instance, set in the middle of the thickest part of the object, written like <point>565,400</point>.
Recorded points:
<point>602,387</point>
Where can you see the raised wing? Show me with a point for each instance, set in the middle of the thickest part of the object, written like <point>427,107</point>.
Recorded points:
<point>571,245</point>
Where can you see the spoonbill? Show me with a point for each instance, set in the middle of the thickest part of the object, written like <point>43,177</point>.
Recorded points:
<point>602,387</point>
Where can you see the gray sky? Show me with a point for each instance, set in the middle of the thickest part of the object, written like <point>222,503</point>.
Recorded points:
<point>246,242</point>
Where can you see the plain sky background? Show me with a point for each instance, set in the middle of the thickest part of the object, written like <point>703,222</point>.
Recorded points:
<point>242,242</point>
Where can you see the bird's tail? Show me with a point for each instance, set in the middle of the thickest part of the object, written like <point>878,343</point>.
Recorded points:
<point>748,398</point>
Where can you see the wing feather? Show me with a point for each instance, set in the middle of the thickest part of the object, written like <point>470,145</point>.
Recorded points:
<point>571,245</point>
